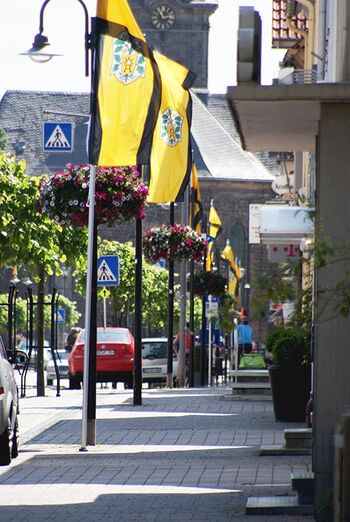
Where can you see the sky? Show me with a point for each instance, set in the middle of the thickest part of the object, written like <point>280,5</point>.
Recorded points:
<point>64,25</point>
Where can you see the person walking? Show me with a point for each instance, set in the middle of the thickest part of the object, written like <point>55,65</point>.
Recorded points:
<point>245,338</point>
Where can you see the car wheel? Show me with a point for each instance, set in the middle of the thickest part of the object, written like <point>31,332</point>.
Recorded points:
<point>15,441</point>
<point>49,382</point>
<point>5,449</point>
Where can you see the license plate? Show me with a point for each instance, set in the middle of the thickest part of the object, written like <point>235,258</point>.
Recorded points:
<point>105,352</point>
<point>152,370</point>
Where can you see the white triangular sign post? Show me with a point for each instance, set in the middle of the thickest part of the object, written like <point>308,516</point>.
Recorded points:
<point>105,274</point>
<point>57,139</point>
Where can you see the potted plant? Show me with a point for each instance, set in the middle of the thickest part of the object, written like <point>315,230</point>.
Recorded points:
<point>120,195</point>
<point>209,283</point>
<point>175,243</point>
<point>290,372</point>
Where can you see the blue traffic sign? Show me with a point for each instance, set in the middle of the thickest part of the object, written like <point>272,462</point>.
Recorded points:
<point>61,315</point>
<point>108,271</point>
<point>160,263</point>
<point>58,136</point>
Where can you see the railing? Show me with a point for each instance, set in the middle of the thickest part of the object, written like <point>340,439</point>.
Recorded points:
<point>300,77</point>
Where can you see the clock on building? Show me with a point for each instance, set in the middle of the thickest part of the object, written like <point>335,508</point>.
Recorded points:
<point>163,17</point>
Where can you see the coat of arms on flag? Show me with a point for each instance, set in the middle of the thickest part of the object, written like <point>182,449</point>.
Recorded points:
<point>171,127</point>
<point>128,65</point>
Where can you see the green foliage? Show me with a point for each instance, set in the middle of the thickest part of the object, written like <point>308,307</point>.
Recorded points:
<point>27,238</point>
<point>290,346</point>
<point>72,314</point>
<point>227,313</point>
<point>272,287</point>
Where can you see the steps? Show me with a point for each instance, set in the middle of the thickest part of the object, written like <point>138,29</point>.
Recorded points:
<point>297,442</point>
<point>251,382</point>
<point>300,503</point>
<point>279,505</point>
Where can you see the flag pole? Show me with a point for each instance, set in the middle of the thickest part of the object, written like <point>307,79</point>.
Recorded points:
<point>137,398</point>
<point>88,436</point>
<point>192,339</point>
<point>204,320</point>
<point>169,379</point>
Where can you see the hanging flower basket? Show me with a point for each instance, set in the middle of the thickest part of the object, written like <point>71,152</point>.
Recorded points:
<point>175,243</point>
<point>120,195</point>
<point>209,283</point>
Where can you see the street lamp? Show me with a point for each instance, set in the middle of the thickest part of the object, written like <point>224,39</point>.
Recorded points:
<point>40,46</point>
<point>41,52</point>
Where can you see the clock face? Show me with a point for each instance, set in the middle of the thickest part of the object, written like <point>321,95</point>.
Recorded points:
<point>163,17</point>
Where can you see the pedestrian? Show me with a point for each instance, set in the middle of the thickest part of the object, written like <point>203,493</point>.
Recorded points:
<point>72,336</point>
<point>245,338</point>
<point>187,340</point>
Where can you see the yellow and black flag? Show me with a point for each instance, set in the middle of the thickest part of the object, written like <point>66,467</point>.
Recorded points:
<point>126,89</point>
<point>234,272</point>
<point>171,158</point>
<point>214,223</point>
<point>197,213</point>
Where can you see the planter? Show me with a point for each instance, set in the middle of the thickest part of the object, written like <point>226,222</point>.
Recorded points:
<point>120,195</point>
<point>174,243</point>
<point>290,392</point>
<point>209,283</point>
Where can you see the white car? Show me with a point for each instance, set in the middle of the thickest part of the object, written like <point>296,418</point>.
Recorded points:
<point>154,360</point>
<point>24,346</point>
<point>62,364</point>
<point>8,407</point>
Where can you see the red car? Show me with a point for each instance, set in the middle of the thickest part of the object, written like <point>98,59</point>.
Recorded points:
<point>114,361</point>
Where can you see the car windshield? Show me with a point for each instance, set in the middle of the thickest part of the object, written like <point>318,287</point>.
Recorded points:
<point>61,355</point>
<point>154,350</point>
<point>110,336</point>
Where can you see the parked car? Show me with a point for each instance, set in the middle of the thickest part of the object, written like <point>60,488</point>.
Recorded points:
<point>62,364</point>
<point>154,360</point>
<point>24,346</point>
<point>114,361</point>
<point>8,405</point>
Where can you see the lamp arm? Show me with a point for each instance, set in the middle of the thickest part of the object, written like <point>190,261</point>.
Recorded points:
<point>87,36</point>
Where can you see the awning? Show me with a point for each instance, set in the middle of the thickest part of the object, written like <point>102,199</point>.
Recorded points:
<point>281,118</point>
<point>281,224</point>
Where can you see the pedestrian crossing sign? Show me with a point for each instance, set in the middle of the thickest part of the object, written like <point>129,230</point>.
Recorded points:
<point>61,315</point>
<point>108,271</point>
<point>58,136</point>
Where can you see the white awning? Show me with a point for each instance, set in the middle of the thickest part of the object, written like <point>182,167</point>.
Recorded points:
<point>281,224</point>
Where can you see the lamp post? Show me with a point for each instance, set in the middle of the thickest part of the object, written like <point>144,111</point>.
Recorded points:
<point>41,49</point>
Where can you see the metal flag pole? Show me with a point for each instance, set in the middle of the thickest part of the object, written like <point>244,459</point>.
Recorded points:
<point>137,398</point>
<point>88,435</point>
<point>169,378</point>
<point>88,430</point>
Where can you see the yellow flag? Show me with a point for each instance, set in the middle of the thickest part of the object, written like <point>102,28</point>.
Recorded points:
<point>229,256</point>
<point>232,283</point>
<point>171,157</point>
<point>126,91</point>
<point>214,223</point>
<point>209,258</point>
<point>196,201</point>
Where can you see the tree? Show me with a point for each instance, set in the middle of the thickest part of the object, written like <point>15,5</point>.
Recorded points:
<point>28,238</point>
